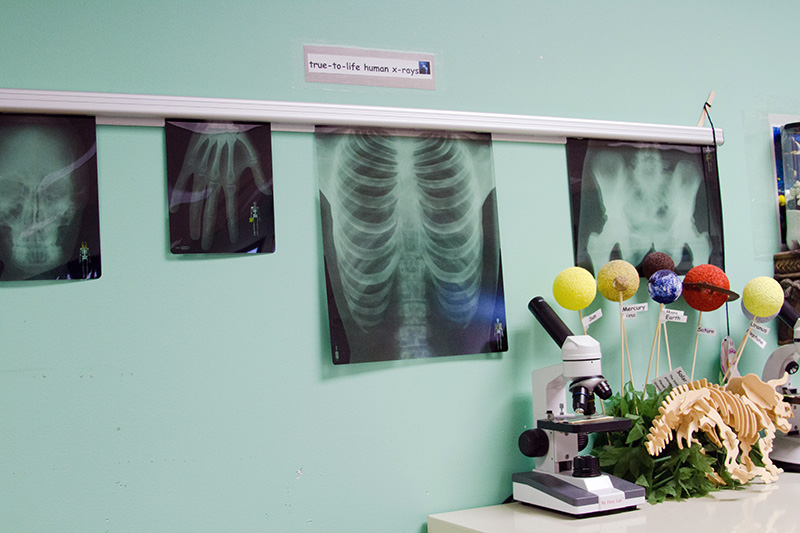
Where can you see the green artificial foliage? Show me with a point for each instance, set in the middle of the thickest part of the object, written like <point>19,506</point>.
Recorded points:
<point>675,473</point>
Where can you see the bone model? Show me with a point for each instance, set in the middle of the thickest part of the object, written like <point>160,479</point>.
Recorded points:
<point>408,234</point>
<point>732,417</point>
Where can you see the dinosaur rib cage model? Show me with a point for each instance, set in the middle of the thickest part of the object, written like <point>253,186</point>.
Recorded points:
<point>733,418</point>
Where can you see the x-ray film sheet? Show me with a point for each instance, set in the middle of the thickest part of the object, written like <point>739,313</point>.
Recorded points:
<point>49,224</point>
<point>411,245</point>
<point>629,199</point>
<point>219,181</point>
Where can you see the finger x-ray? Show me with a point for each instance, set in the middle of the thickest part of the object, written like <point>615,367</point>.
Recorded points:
<point>629,199</point>
<point>49,224</point>
<point>411,245</point>
<point>219,180</point>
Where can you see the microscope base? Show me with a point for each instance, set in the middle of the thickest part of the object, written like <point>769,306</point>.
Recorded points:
<point>576,496</point>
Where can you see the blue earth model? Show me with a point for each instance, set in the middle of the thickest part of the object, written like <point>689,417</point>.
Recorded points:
<point>664,286</point>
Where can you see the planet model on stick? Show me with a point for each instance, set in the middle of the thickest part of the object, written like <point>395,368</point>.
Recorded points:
<point>664,287</point>
<point>618,281</point>
<point>762,299</point>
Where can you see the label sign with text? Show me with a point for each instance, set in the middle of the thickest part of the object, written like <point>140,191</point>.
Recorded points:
<point>356,66</point>
<point>675,378</point>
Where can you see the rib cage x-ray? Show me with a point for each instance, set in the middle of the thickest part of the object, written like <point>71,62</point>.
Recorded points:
<point>49,224</point>
<point>630,199</point>
<point>219,177</point>
<point>412,254</point>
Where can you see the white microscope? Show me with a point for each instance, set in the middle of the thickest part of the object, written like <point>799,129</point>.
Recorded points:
<point>565,481</point>
<point>786,448</point>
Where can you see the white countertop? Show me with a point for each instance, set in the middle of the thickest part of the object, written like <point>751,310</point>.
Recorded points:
<point>773,508</point>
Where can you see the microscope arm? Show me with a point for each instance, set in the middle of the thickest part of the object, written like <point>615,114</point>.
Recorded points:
<point>785,359</point>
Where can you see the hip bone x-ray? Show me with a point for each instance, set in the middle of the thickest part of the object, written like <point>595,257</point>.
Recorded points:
<point>412,253</point>
<point>630,199</point>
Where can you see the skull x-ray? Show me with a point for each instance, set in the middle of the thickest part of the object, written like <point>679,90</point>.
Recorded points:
<point>219,181</point>
<point>411,245</point>
<point>629,199</point>
<point>49,224</point>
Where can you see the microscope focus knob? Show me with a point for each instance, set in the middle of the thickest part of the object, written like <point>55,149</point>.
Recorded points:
<point>585,466</point>
<point>534,443</point>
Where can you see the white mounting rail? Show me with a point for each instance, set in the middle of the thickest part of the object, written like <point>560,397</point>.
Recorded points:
<point>151,110</point>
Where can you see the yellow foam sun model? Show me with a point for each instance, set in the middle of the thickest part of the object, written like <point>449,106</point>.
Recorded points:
<point>574,288</point>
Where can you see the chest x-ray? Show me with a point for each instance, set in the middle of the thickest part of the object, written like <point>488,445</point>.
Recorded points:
<point>49,225</point>
<point>630,199</point>
<point>412,253</point>
<point>219,180</point>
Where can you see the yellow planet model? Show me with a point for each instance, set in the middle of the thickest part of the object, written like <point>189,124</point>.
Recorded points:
<point>762,296</point>
<point>617,277</point>
<point>574,288</point>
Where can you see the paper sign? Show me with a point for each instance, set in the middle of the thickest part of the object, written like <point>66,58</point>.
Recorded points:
<point>670,315</point>
<point>675,378</point>
<point>635,308</point>
<point>629,315</point>
<point>594,317</point>
<point>759,328</point>
<point>706,331</point>
<point>758,340</point>
<point>358,66</point>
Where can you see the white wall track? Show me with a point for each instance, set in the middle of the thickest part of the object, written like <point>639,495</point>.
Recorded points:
<point>151,110</point>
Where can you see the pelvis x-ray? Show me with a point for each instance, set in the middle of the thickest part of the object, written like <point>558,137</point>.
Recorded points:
<point>49,224</point>
<point>219,179</point>
<point>629,199</point>
<point>412,253</point>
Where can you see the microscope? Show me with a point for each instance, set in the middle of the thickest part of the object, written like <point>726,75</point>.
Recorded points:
<point>563,480</point>
<point>786,448</point>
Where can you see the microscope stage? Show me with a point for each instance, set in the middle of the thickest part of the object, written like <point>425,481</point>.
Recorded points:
<point>585,424</point>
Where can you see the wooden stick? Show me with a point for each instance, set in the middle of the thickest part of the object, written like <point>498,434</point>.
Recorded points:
<point>666,343</point>
<point>696,338</point>
<point>704,114</point>
<point>621,345</point>
<point>580,314</point>
<point>738,354</point>
<point>658,350</point>
<point>628,352</point>
<point>653,349</point>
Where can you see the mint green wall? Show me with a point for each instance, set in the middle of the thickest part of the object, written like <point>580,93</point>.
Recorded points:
<point>180,394</point>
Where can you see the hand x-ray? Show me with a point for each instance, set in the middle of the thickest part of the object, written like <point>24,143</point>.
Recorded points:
<point>629,199</point>
<point>219,178</point>
<point>49,224</point>
<point>411,245</point>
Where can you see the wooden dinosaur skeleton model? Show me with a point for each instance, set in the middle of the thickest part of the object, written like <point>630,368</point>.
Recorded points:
<point>733,417</point>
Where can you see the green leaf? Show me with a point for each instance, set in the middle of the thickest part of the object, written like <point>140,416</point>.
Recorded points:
<point>637,432</point>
